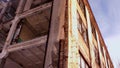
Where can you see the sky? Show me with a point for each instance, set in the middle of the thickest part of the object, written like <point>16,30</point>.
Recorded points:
<point>107,14</point>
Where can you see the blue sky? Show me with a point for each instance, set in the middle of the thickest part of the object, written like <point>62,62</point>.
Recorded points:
<point>107,14</point>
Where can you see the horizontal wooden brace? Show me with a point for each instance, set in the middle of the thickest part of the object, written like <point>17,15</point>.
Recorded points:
<point>35,10</point>
<point>28,5</point>
<point>28,44</point>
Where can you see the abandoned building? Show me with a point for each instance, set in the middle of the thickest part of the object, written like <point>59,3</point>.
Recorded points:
<point>50,34</point>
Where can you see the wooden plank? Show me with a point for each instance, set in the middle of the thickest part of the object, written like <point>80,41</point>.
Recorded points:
<point>35,10</point>
<point>26,59</point>
<point>4,53</point>
<point>20,7</point>
<point>57,22</point>
<point>11,32</point>
<point>38,53</point>
<point>36,59</point>
<point>19,58</point>
<point>28,5</point>
<point>32,43</point>
<point>23,60</point>
<point>31,56</point>
<point>9,37</point>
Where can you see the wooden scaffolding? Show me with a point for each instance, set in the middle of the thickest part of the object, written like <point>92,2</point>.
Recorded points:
<point>51,34</point>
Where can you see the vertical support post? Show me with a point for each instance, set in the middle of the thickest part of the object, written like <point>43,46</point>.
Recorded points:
<point>73,49</point>
<point>57,21</point>
<point>28,5</point>
<point>4,53</point>
<point>9,37</point>
<point>11,32</point>
<point>20,7</point>
<point>90,38</point>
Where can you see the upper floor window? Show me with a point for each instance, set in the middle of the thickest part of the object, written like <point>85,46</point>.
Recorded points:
<point>82,6</point>
<point>82,29</point>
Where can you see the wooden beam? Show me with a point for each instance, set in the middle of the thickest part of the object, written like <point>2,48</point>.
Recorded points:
<point>28,44</point>
<point>11,32</point>
<point>56,25</point>
<point>31,12</point>
<point>20,7</point>
<point>9,37</point>
<point>28,5</point>
<point>35,10</point>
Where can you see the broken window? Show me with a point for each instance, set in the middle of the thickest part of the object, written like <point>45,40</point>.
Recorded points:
<point>82,6</point>
<point>82,29</point>
<point>94,32</point>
